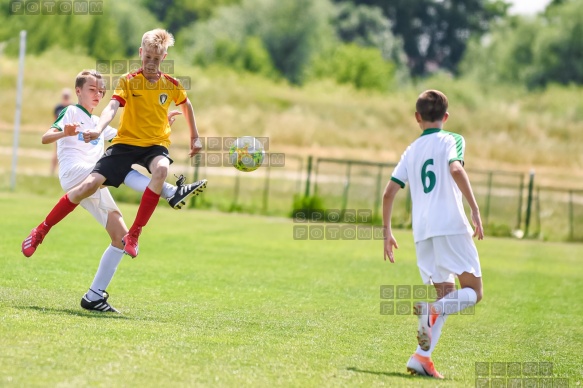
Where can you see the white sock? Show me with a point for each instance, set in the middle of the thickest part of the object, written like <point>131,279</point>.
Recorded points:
<point>168,190</point>
<point>138,182</point>
<point>107,266</point>
<point>456,301</point>
<point>435,334</point>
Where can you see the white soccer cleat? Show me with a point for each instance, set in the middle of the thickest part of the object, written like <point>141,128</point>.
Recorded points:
<point>422,366</point>
<point>426,320</point>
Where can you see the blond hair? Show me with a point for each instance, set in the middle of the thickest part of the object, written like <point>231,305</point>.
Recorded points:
<point>158,40</point>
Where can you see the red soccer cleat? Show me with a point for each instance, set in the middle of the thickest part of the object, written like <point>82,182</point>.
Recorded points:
<point>34,239</point>
<point>130,242</point>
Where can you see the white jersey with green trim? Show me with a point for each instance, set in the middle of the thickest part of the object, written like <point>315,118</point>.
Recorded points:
<point>438,209</point>
<point>77,158</point>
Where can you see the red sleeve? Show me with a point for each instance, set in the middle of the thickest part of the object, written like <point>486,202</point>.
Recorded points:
<point>122,102</point>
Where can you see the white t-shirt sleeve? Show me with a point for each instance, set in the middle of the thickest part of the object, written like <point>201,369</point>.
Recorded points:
<point>65,117</point>
<point>400,173</point>
<point>109,133</point>
<point>456,148</point>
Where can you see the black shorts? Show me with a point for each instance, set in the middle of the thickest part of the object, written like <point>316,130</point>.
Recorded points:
<point>117,161</point>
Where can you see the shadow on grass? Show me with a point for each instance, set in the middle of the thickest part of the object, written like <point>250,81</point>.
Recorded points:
<point>79,313</point>
<point>372,372</point>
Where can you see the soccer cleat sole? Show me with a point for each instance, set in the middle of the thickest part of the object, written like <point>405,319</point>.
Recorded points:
<point>104,308</point>
<point>414,372</point>
<point>423,331</point>
<point>423,339</point>
<point>194,193</point>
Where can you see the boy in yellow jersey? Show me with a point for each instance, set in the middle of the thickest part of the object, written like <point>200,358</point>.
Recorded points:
<point>143,138</point>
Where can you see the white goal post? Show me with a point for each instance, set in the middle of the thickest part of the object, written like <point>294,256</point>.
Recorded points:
<point>18,110</point>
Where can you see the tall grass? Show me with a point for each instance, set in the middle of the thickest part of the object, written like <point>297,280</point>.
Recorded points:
<point>504,127</point>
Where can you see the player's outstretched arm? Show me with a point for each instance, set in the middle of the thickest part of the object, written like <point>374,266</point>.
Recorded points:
<point>389,240</point>
<point>188,111</point>
<point>53,134</point>
<point>463,182</point>
<point>106,116</point>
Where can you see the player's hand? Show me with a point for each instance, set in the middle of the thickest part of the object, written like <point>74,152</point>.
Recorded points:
<point>171,115</point>
<point>90,135</point>
<point>195,146</point>
<point>478,228</point>
<point>390,242</point>
<point>71,129</point>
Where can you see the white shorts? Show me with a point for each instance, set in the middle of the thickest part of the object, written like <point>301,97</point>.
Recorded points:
<point>440,258</point>
<point>99,205</point>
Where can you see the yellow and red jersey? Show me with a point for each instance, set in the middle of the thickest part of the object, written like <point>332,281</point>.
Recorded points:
<point>144,120</point>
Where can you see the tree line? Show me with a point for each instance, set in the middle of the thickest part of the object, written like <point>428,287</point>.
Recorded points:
<point>370,44</point>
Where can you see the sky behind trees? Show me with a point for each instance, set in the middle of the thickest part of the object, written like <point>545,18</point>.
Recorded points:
<point>528,6</point>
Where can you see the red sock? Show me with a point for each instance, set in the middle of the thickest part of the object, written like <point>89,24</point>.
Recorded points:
<point>60,211</point>
<point>147,206</point>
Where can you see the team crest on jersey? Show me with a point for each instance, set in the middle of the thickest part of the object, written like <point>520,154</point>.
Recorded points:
<point>163,98</point>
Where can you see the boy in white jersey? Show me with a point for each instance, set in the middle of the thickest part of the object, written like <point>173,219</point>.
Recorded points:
<point>433,166</point>
<point>76,161</point>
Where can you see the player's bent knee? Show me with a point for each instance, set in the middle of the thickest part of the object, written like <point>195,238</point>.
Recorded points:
<point>160,173</point>
<point>84,190</point>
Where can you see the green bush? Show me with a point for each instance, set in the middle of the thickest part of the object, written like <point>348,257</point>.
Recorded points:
<point>177,14</point>
<point>534,52</point>
<point>497,230</point>
<point>291,32</point>
<point>308,207</point>
<point>115,34</point>
<point>362,67</point>
<point>250,56</point>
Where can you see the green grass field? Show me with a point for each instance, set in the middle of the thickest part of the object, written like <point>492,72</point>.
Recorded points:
<point>220,299</point>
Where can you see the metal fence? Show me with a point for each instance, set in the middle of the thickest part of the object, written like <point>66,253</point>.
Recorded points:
<point>269,190</point>
<point>557,214</point>
<point>501,196</point>
<point>352,184</point>
<point>511,203</point>
<point>507,206</point>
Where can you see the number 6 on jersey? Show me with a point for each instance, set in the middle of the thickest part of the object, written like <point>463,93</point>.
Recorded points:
<point>427,177</point>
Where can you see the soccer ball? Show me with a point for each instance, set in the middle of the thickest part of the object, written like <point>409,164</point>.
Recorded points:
<point>246,154</point>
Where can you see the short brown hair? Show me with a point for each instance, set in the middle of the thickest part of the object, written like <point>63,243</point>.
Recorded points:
<point>84,75</point>
<point>432,105</point>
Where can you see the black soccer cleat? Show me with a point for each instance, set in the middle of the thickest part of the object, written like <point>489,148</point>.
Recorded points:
<point>98,305</point>
<point>184,192</point>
